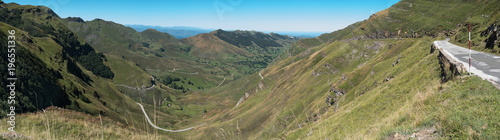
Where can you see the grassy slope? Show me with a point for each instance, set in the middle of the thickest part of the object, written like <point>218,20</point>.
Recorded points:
<point>110,101</point>
<point>99,95</point>
<point>245,52</point>
<point>292,105</point>
<point>290,101</point>
<point>481,22</point>
<point>155,52</point>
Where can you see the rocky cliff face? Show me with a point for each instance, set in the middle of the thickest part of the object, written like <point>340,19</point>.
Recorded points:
<point>492,33</point>
<point>449,67</point>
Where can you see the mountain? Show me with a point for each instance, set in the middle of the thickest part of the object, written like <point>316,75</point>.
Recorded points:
<point>179,32</point>
<point>251,50</point>
<point>56,67</point>
<point>166,57</point>
<point>375,79</point>
<point>300,34</point>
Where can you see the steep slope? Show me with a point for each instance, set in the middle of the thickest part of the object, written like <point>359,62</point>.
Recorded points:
<point>43,22</point>
<point>56,67</point>
<point>414,18</point>
<point>367,82</point>
<point>52,66</point>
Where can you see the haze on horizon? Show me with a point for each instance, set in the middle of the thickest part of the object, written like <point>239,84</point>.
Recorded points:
<point>260,15</point>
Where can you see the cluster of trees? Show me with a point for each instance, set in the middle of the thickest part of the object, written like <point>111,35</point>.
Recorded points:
<point>169,81</point>
<point>83,54</point>
<point>38,86</point>
<point>93,62</point>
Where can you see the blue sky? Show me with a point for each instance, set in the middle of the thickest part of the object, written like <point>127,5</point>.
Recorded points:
<point>261,15</point>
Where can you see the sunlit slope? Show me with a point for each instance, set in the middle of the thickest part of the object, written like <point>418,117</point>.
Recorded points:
<point>374,79</point>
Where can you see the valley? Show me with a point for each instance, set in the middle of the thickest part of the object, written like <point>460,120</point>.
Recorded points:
<point>400,74</point>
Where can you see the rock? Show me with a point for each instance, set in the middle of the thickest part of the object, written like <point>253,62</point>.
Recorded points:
<point>329,100</point>
<point>388,79</point>
<point>338,92</point>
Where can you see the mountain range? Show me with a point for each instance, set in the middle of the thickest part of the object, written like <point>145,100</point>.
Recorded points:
<point>179,32</point>
<point>375,79</point>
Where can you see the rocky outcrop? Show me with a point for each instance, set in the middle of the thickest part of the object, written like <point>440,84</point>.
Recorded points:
<point>449,67</point>
<point>493,33</point>
<point>332,100</point>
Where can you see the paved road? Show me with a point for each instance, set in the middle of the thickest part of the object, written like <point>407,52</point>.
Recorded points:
<point>486,66</point>
<point>150,123</point>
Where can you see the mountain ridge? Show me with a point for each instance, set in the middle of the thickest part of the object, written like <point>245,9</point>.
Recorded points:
<point>375,79</point>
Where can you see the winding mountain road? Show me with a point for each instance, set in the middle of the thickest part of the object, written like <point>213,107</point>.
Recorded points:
<point>260,74</point>
<point>484,65</point>
<point>153,83</point>
<point>150,123</point>
<point>222,82</point>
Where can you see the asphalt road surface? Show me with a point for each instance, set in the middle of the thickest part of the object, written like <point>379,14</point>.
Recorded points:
<point>486,66</point>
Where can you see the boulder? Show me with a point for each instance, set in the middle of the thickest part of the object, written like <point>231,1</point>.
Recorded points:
<point>338,92</point>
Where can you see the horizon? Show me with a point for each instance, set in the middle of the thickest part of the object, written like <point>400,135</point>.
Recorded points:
<point>255,15</point>
<point>290,33</point>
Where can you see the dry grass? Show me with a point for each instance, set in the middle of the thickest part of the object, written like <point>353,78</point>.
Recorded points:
<point>56,123</point>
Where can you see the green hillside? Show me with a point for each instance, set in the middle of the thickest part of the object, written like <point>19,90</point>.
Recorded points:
<point>57,67</point>
<point>166,57</point>
<point>375,79</point>
<point>369,82</point>
<point>247,51</point>
<point>54,68</point>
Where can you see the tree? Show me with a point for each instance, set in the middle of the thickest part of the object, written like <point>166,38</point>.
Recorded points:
<point>168,80</point>
<point>176,79</point>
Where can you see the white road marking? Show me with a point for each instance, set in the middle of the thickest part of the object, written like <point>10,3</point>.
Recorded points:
<point>482,64</point>
<point>495,70</point>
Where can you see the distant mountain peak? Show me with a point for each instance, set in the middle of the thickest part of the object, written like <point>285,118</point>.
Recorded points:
<point>75,19</point>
